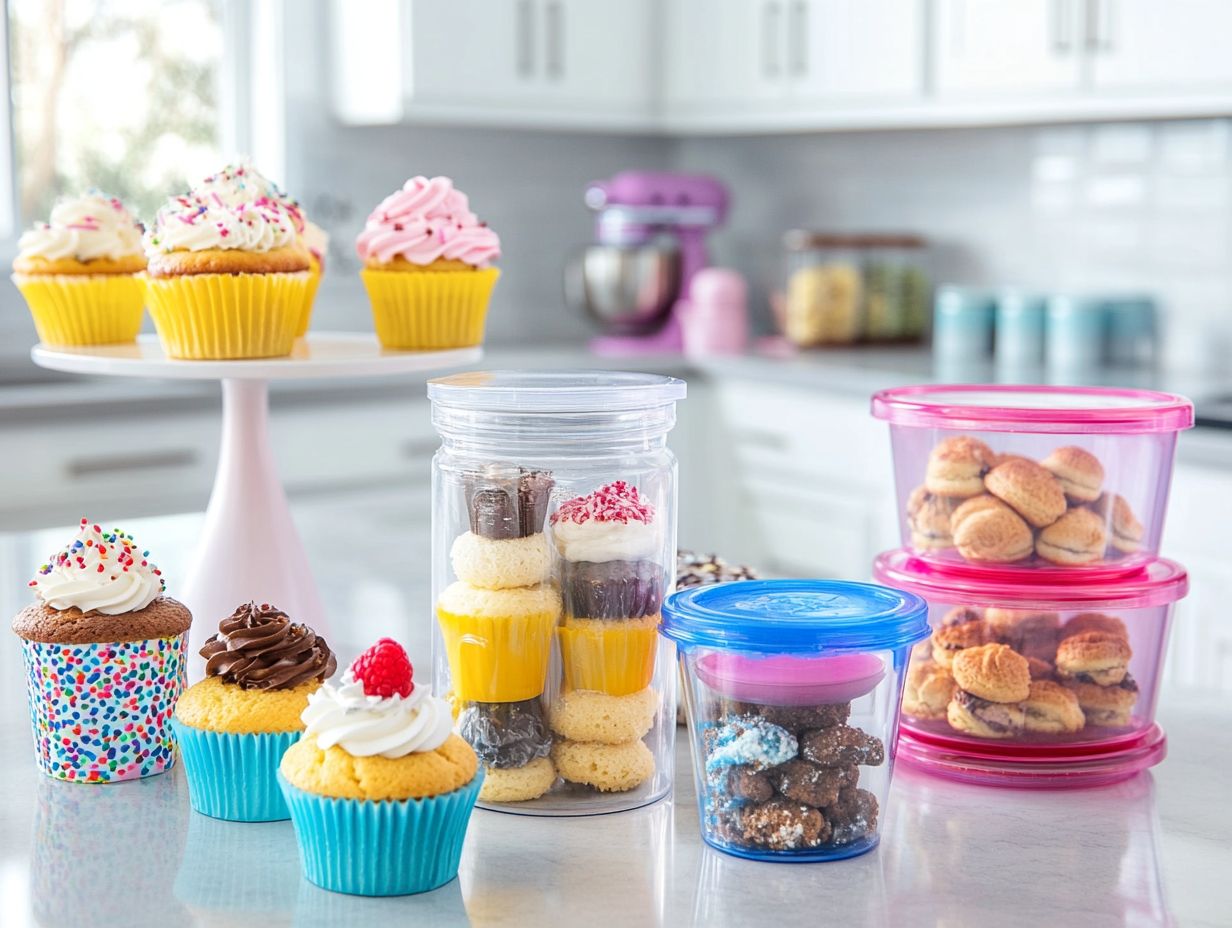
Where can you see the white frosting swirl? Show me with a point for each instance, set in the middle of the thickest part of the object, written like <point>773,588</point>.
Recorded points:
<point>606,541</point>
<point>84,228</point>
<point>367,726</point>
<point>192,223</point>
<point>99,572</point>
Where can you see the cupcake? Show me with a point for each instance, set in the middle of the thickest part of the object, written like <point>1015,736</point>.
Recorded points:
<point>104,652</point>
<point>234,726</point>
<point>379,787</point>
<point>79,273</point>
<point>316,240</point>
<point>426,267</point>
<point>228,275</point>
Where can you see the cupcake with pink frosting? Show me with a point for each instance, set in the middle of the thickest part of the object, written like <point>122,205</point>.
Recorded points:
<point>427,267</point>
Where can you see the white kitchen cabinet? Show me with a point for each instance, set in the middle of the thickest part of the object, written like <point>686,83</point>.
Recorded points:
<point>1007,47</point>
<point>724,54</point>
<point>855,50</point>
<point>1146,45</point>
<point>513,62</point>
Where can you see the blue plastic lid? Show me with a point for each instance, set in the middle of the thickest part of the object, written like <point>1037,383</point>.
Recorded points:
<point>795,616</point>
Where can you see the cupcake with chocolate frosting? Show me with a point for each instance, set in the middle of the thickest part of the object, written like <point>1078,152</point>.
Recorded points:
<point>234,725</point>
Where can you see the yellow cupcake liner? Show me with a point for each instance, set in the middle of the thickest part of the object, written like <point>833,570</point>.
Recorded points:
<point>74,310</point>
<point>498,659</point>
<point>429,311</point>
<point>310,296</point>
<point>616,656</point>
<point>227,316</point>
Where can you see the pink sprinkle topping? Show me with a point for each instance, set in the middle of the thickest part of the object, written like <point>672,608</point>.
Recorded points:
<point>616,502</point>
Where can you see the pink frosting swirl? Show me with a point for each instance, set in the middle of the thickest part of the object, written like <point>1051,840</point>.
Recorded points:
<point>427,219</point>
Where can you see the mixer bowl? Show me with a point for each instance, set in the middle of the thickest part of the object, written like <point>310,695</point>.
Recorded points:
<point>629,289</point>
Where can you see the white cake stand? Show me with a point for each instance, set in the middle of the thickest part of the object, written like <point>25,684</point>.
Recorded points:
<point>249,548</point>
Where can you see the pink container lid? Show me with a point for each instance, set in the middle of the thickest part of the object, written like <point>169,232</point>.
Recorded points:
<point>791,680</point>
<point>1019,408</point>
<point>1161,582</point>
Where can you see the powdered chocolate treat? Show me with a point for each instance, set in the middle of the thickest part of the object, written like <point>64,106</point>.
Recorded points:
<point>611,589</point>
<point>780,825</point>
<point>506,734</point>
<point>704,569</point>
<point>795,718</point>
<point>749,784</point>
<point>748,740</point>
<point>507,501</point>
<point>808,783</point>
<point>841,746</point>
<point>853,816</point>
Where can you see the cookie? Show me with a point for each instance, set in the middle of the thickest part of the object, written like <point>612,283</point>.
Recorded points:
<point>747,783</point>
<point>949,640</point>
<point>609,768</point>
<point>1030,633</point>
<point>794,718</point>
<point>1094,657</point>
<point>927,691</point>
<point>956,467</point>
<point>1040,670</point>
<point>994,672</point>
<point>1125,531</point>
<point>1079,472</point>
<point>778,825</point>
<point>806,782</point>
<point>1106,706</point>
<point>853,816</point>
<point>748,740</point>
<point>518,784</point>
<point>983,718</point>
<point>986,529</point>
<point>704,569</point>
<point>497,564</point>
<point>588,715</point>
<point>1052,709</point>
<point>506,734</point>
<point>928,518</point>
<point>961,615</point>
<point>1094,622</point>
<point>1028,489</point>
<point>842,746</point>
<point>1078,537</point>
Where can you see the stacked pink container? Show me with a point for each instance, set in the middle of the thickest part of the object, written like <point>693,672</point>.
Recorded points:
<point>1031,519</point>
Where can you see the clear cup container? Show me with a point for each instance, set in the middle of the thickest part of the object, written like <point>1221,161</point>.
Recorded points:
<point>1007,480</point>
<point>1041,684</point>
<point>554,544</point>
<point>792,690</point>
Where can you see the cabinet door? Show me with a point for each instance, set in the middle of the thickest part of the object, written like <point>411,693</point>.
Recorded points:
<point>1146,45</point>
<point>855,48</point>
<point>723,55</point>
<point>599,56</point>
<point>983,47</point>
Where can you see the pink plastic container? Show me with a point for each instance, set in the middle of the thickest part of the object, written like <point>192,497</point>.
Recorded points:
<point>997,480</point>
<point>1046,684</point>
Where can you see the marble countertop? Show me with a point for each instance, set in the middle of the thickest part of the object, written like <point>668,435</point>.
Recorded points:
<point>1151,851</point>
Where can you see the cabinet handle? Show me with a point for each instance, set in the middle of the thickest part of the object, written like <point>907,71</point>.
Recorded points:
<point>554,25</point>
<point>121,463</point>
<point>524,36</point>
<point>771,21</point>
<point>1062,27</point>
<point>1100,25</point>
<point>797,28</point>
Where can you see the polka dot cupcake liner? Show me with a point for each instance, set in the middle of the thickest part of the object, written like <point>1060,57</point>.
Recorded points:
<point>100,713</point>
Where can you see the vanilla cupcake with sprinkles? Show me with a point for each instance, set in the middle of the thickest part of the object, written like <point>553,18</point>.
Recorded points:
<point>104,650</point>
<point>228,272</point>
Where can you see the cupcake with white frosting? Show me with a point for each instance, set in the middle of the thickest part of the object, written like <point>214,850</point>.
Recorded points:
<point>380,788</point>
<point>228,270</point>
<point>79,272</point>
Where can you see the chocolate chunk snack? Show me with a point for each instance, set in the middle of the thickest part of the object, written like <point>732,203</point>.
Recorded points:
<point>506,501</point>
<point>506,734</point>
<point>795,718</point>
<point>842,746</point>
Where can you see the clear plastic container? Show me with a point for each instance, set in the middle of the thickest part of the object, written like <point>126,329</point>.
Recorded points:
<point>554,543</point>
<point>792,689</point>
<point>1036,684</point>
<point>1007,479</point>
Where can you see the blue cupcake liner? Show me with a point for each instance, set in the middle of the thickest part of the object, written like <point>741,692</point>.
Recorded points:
<point>385,848</point>
<point>234,776</point>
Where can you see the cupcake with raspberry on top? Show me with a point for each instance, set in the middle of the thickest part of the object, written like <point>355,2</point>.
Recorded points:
<point>379,787</point>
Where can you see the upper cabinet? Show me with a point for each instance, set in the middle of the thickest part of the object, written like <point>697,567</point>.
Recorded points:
<point>706,66</point>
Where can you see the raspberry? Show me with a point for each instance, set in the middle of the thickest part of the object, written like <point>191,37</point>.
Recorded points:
<point>384,669</point>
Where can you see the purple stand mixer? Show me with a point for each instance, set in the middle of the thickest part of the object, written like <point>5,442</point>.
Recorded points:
<point>635,281</point>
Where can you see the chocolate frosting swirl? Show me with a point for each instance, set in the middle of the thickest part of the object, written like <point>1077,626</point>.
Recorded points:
<point>260,648</point>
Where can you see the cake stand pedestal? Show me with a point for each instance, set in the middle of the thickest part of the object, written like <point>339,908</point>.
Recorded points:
<point>249,547</point>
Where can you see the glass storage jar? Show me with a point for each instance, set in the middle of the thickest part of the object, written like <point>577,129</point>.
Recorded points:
<point>1036,684</point>
<point>792,691</point>
<point>554,544</point>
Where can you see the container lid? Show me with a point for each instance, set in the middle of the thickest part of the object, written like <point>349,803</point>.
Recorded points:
<point>1017,408</point>
<point>795,616</point>
<point>555,391</point>
<point>808,239</point>
<point>1159,583</point>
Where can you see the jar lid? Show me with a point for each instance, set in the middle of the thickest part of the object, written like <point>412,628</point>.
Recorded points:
<point>1018,408</point>
<point>1161,582</point>
<point>795,616</point>
<point>808,239</point>
<point>555,391</point>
